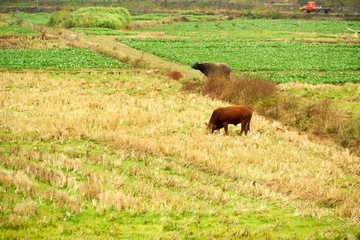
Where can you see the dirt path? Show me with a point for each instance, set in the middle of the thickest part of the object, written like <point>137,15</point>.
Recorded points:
<point>107,45</point>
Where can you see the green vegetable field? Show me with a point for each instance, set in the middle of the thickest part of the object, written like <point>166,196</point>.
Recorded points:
<point>62,58</point>
<point>159,16</point>
<point>254,55</point>
<point>14,29</point>
<point>308,77</point>
<point>257,25</point>
<point>36,18</point>
<point>262,35</point>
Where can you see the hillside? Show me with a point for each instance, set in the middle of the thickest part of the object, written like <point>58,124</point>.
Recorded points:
<point>95,148</point>
<point>130,148</point>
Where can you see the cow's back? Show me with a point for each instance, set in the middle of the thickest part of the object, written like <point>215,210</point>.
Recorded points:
<point>218,69</point>
<point>225,68</point>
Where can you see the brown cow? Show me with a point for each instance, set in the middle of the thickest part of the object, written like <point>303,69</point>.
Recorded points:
<point>213,69</point>
<point>223,116</point>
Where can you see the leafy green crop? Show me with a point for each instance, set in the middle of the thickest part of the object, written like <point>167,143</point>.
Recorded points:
<point>246,35</point>
<point>61,58</point>
<point>14,29</point>
<point>34,18</point>
<point>159,16</point>
<point>102,31</point>
<point>257,25</point>
<point>255,55</point>
<point>309,77</point>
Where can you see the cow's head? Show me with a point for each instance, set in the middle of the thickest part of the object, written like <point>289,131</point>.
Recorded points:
<point>211,127</point>
<point>197,66</point>
<point>201,67</point>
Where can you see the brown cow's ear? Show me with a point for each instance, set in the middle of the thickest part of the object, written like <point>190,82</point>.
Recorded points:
<point>207,124</point>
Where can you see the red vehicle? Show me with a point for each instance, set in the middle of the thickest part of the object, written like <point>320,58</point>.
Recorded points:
<point>311,7</point>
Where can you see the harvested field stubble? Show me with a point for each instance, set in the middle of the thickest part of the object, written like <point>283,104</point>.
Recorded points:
<point>15,42</point>
<point>138,144</point>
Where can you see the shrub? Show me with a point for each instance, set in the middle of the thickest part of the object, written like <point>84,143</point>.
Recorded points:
<point>176,75</point>
<point>315,116</point>
<point>248,90</point>
<point>58,18</point>
<point>273,14</point>
<point>68,23</point>
<point>239,90</point>
<point>113,18</point>
<point>19,22</point>
<point>349,134</point>
<point>92,17</point>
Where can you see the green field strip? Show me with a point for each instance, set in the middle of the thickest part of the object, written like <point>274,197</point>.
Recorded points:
<point>254,55</point>
<point>61,58</point>
<point>257,25</point>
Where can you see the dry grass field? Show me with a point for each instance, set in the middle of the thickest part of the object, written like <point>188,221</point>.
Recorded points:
<point>125,154</point>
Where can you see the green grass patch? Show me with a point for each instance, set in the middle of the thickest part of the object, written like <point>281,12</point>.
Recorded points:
<point>263,35</point>
<point>308,77</point>
<point>46,214</point>
<point>345,98</point>
<point>254,55</point>
<point>34,18</point>
<point>92,17</point>
<point>114,18</point>
<point>102,31</point>
<point>15,29</point>
<point>159,16</point>
<point>61,58</point>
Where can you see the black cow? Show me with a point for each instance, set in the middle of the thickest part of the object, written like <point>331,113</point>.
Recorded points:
<point>213,69</point>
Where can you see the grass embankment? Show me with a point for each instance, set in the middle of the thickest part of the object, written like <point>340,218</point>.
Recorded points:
<point>126,155</point>
<point>92,17</point>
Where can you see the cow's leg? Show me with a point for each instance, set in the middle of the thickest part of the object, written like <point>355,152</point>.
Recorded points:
<point>242,127</point>
<point>226,128</point>
<point>246,124</point>
<point>247,127</point>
